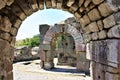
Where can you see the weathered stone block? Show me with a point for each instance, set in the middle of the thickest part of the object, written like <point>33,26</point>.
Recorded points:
<point>42,54</point>
<point>114,32</point>
<point>87,37</point>
<point>5,24</point>
<point>85,20</point>
<point>9,2</point>
<point>112,76</point>
<point>41,4</point>
<point>54,3</point>
<point>74,7</point>
<point>102,34</point>
<point>86,30</point>
<point>4,48</point>
<point>94,15</point>
<point>105,9</point>
<point>3,3</point>
<point>5,36</point>
<point>81,9</point>
<point>88,51</point>
<point>87,2</point>
<point>48,65</point>
<point>16,10</point>
<point>114,4</point>
<point>82,66</point>
<point>109,22</point>
<point>105,52</point>
<point>97,71</point>
<point>48,4</point>
<point>80,47</point>
<point>93,27</point>
<point>81,2</point>
<point>70,20</point>
<point>94,36</point>
<point>117,17</point>
<point>100,24</point>
<point>45,47</point>
<point>17,23</point>
<point>28,11</point>
<point>34,5</point>
<point>77,15</point>
<point>96,2</point>
<point>59,4</point>
<point>13,31</point>
<point>9,76</point>
<point>70,2</point>
<point>13,40</point>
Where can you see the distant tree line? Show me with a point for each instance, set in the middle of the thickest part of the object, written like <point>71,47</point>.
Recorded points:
<point>31,42</point>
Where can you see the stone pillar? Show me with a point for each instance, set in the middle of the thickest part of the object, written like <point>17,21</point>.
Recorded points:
<point>6,58</point>
<point>105,59</point>
<point>82,63</point>
<point>46,56</point>
<point>43,29</point>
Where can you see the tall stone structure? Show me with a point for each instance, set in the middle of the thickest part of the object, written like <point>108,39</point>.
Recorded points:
<point>100,20</point>
<point>69,52</point>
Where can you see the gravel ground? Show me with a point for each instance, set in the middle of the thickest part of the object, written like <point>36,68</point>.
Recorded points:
<point>30,70</point>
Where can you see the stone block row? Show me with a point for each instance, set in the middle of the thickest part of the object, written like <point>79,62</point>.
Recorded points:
<point>102,72</point>
<point>105,52</point>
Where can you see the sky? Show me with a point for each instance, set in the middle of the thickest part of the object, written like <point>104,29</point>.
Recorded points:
<point>30,26</point>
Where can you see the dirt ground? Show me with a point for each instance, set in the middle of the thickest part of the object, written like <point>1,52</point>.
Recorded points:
<point>30,70</point>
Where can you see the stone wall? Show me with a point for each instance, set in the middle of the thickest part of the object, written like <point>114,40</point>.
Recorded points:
<point>99,19</point>
<point>73,53</point>
<point>26,53</point>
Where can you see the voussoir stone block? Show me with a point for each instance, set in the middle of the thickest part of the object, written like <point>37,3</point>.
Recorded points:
<point>5,36</point>
<point>94,36</point>
<point>70,2</point>
<point>54,3</point>
<point>114,32</point>
<point>5,24</point>
<point>85,20</point>
<point>94,15</point>
<point>96,2</point>
<point>102,34</point>
<point>100,24</point>
<point>13,31</point>
<point>93,27</point>
<point>109,22</point>
<point>9,2</point>
<point>105,9</point>
<point>2,4</point>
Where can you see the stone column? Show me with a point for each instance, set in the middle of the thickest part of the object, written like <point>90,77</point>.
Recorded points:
<point>82,63</point>
<point>46,56</point>
<point>43,29</point>
<point>105,59</point>
<point>6,58</point>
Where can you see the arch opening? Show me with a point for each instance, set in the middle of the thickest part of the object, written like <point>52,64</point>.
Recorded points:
<point>100,24</point>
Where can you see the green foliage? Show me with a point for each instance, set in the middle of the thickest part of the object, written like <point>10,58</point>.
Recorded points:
<point>32,42</point>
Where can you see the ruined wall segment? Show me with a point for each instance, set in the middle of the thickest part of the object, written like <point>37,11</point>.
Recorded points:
<point>100,20</point>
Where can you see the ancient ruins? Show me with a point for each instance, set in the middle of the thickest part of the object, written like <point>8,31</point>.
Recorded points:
<point>97,35</point>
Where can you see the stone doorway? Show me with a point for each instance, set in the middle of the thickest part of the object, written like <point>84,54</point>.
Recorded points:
<point>100,24</point>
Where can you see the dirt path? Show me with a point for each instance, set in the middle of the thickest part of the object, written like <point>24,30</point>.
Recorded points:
<point>30,70</point>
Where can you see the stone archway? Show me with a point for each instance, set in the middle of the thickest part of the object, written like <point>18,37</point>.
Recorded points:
<point>69,27</point>
<point>99,19</point>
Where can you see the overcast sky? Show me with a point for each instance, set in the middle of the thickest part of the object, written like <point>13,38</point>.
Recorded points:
<point>30,25</point>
